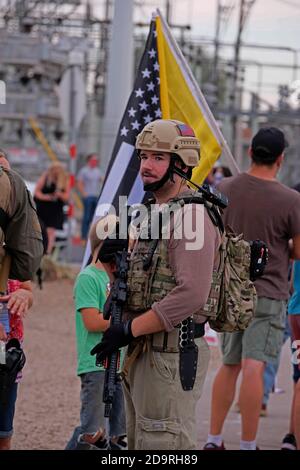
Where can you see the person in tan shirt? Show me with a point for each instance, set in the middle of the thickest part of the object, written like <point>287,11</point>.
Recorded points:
<point>164,298</point>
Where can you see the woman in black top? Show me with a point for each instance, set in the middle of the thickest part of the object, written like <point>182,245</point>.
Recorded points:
<point>52,192</point>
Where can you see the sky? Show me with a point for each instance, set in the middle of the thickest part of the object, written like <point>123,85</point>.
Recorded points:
<point>270,22</point>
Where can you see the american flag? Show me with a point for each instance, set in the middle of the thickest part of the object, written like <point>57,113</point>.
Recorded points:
<point>122,177</point>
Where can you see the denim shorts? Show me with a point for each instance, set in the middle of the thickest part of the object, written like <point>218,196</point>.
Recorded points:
<point>92,408</point>
<point>7,413</point>
<point>262,339</point>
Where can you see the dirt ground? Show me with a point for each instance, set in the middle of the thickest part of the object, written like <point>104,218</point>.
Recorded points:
<point>48,402</point>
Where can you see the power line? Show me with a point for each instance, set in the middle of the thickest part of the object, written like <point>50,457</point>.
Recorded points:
<point>289,3</point>
<point>227,9</point>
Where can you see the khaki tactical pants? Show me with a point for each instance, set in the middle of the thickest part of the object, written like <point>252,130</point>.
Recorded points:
<point>160,415</point>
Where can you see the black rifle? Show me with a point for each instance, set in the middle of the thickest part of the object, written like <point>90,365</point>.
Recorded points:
<point>113,310</point>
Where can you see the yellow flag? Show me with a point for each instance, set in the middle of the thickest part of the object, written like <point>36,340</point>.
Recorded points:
<point>181,100</point>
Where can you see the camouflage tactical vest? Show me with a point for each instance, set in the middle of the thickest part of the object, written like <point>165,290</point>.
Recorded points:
<point>148,286</point>
<point>151,285</point>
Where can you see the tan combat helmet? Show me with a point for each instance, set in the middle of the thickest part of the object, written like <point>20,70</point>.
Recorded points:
<point>166,135</point>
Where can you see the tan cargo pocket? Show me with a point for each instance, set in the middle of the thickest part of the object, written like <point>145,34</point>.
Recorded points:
<point>157,434</point>
<point>166,365</point>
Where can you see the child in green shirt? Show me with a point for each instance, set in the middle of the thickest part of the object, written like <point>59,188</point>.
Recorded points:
<point>90,293</point>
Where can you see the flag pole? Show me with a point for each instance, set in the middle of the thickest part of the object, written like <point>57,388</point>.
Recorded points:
<point>214,126</point>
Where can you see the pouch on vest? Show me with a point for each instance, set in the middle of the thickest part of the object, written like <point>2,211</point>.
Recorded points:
<point>149,282</point>
<point>141,284</point>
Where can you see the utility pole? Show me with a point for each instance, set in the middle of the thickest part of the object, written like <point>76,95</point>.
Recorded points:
<point>119,77</point>
<point>168,11</point>
<point>217,44</point>
<point>236,64</point>
<point>245,6</point>
<point>72,104</point>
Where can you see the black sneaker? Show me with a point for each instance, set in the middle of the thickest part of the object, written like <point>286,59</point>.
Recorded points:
<point>212,446</point>
<point>119,444</point>
<point>289,442</point>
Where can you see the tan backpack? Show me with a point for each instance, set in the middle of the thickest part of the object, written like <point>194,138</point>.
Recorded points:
<point>232,299</point>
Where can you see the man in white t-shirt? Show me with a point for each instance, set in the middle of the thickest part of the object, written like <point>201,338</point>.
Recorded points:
<point>89,182</point>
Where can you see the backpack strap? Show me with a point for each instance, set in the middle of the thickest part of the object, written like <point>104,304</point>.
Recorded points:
<point>194,198</point>
<point>215,216</point>
<point>212,210</point>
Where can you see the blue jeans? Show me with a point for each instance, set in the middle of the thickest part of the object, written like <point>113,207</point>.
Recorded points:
<point>89,206</point>
<point>7,413</point>
<point>271,369</point>
<point>92,409</point>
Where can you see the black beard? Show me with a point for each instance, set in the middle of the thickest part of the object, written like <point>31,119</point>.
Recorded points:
<point>159,184</point>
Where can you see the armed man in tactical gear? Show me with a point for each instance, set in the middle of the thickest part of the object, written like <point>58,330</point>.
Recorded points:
<point>169,282</point>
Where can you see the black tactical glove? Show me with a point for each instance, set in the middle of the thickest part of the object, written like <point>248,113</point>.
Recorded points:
<point>115,337</point>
